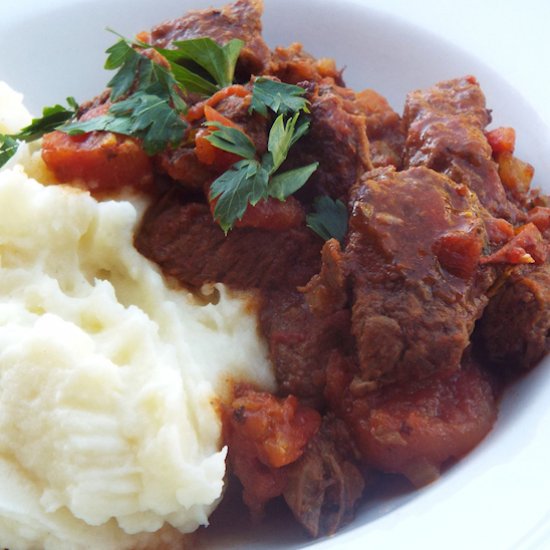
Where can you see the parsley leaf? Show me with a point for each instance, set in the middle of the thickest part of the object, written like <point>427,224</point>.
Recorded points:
<point>234,187</point>
<point>329,218</point>
<point>143,115</point>
<point>246,182</point>
<point>280,97</point>
<point>124,57</point>
<point>281,137</point>
<point>52,118</point>
<point>243,184</point>
<point>218,61</point>
<point>138,73</point>
<point>191,81</point>
<point>231,140</point>
<point>282,185</point>
<point>8,148</point>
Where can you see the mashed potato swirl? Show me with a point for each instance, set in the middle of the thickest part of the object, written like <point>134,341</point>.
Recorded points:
<point>109,433</point>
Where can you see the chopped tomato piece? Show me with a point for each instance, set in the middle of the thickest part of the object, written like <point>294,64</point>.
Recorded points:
<point>502,140</point>
<point>515,174</point>
<point>276,429</point>
<point>540,216</point>
<point>270,214</point>
<point>144,36</point>
<point>415,428</point>
<point>265,433</point>
<point>499,230</point>
<point>458,252</point>
<point>197,111</point>
<point>206,152</point>
<point>211,115</point>
<point>102,161</point>
<point>526,247</point>
<point>273,214</point>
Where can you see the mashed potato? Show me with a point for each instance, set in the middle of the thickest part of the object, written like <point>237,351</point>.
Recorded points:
<point>109,432</point>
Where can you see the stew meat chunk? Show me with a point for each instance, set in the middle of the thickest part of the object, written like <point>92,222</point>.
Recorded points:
<point>241,20</point>
<point>182,238</point>
<point>445,126</point>
<point>385,129</point>
<point>413,253</point>
<point>515,328</point>
<point>337,140</point>
<point>325,484</point>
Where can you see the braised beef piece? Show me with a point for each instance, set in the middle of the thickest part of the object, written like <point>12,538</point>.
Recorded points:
<point>385,130</point>
<point>184,241</point>
<point>293,65</point>
<point>304,327</point>
<point>414,244</point>
<point>515,327</point>
<point>337,139</point>
<point>300,342</point>
<point>183,166</point>
<point>241,20</point>
<point>325,484</point>
<point>445,126</point>
<point>327,292</point>
<point>300,355</point>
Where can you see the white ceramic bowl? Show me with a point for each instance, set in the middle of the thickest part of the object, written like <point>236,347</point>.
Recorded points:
<point>498,496</point>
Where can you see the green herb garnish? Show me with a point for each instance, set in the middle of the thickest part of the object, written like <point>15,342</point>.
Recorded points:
<point>231,140</point>
<point>218,61</point>
<point>278,96</point>
<point>329,218</point>
<point>281,186</point>
<point>246,182</point>
<point>143,115</point>
<point>147,96</point>
<point>139,74</point>
<point>250,180</point>
<point>187,59</point>
<point>8,148</point>
<point>152,110</point>
<point>52,118</point>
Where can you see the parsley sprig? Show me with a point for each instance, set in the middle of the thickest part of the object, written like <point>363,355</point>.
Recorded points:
<point>52,118</point>
<point>148,103</point>
<point>329,218</point>
<point>152,112</point>
<point>145,115</point>
<point>147,96</point>
<point>219,62</point>
<point>277,96</point>
<point>138,73</point>
<point>250,180</point>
